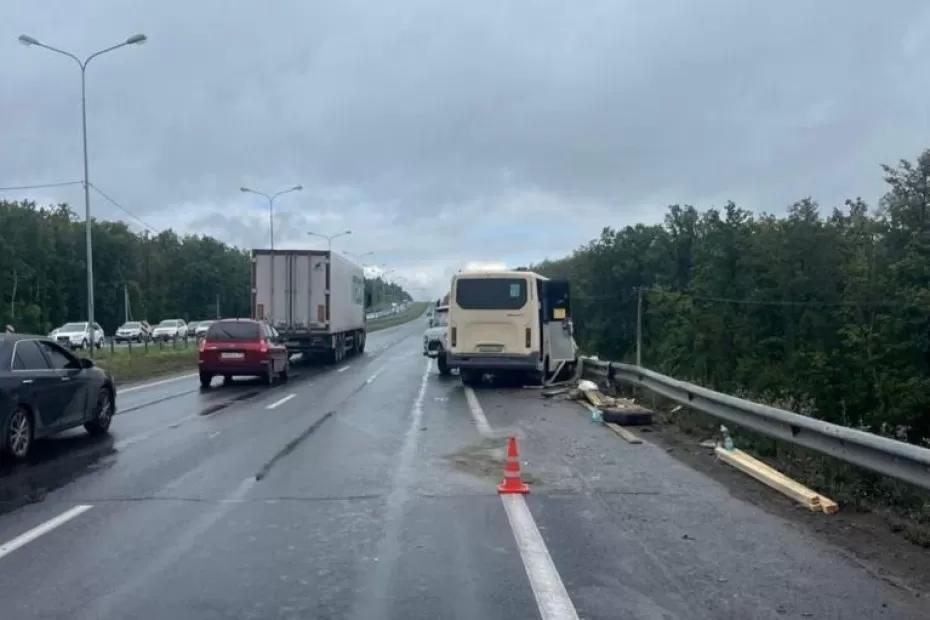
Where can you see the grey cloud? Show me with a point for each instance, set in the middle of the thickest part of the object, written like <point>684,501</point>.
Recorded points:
<point>426,127</point>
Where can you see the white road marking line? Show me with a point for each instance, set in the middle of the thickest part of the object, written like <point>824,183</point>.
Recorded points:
<point>481,421</point>
<point>551,596</point>
<point>213,434</point>
<point>125,443</point>
<point>374,376</point>
<point>280,402</point>
<point>27,537</point>
<point>153,384</point>
<point>343,369</point>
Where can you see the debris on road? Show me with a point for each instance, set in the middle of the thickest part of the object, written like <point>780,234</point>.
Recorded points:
<point>624,434</point>
<point>773,478</point>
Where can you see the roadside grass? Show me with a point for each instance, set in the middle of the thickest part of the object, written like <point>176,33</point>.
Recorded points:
<point>415,310</point>
<point>140,363</point>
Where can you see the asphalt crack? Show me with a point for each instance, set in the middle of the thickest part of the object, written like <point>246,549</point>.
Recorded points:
<point>292,444</point>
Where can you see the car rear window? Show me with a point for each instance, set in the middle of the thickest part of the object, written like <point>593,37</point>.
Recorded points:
<point>490,293</point>
<point>233,330</point>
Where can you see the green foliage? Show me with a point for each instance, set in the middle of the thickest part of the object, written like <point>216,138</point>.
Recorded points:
<point>381,293</point>
<point>830,311</point>
<point>42,258</point>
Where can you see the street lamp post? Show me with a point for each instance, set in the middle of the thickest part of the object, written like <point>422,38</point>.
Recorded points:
<point>329,238</point>
<point>136,39</point>
<point>270,199</point>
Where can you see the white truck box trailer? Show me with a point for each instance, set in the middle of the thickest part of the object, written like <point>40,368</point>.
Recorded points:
<point>314,298</point>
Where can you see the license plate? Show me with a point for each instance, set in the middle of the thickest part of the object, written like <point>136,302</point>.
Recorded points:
<point>232,355</point>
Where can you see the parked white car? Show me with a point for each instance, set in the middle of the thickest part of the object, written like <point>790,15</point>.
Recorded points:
<point>132,331</point>
<point>202,328</point>
<point>78,336</point>
<point>436,339</point>
<point>170,329</point>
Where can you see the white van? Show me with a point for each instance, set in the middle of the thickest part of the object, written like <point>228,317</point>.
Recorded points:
<point>509,321</point>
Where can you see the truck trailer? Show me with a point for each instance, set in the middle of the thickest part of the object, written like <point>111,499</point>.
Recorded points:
<point>314,298</point>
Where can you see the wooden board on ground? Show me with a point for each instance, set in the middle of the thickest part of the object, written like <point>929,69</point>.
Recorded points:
<point>775,479</point>
<point>626,435</point>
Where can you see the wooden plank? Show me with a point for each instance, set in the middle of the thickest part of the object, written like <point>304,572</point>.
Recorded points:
<point>626,435</point>
<point>770,477</point>
<point>828,505</point>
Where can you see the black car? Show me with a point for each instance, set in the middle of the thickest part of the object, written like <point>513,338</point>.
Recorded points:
<point>44,389</point>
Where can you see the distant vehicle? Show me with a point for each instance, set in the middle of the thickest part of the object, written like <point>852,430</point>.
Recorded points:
<point>133,331</point>
<point>170,329</point>
<point>316,299</point>
<point>77,335</point>
<point>436,339</point>
<point>44,389</point>
<point>201,329</point>
<point>509,321</point>
<point>242,347</point>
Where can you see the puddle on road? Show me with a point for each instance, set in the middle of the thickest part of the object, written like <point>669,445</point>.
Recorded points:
<point>484,459</point>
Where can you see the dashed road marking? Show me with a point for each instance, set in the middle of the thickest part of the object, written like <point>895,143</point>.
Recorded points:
<point>280,402</point>
<point>343,369</point>
<point>27,537</point>
<point>370,379</point>
<point>481,421</point>
<point>154,383</point>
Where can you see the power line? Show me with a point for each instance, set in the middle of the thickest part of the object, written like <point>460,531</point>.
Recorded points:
<point>124,209</point>
<point>41,185</point>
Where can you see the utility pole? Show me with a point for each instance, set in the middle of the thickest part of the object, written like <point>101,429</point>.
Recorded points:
<point>639,326</point>
<point>217,306</point>
<point>13,298</point>
<point>126,303</point>
<point>136,39</point>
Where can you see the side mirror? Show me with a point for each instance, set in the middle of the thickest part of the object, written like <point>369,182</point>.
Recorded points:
<point>86,362</point>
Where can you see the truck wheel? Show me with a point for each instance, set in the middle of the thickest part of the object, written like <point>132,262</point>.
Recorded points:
<point>443,365</point>
<point>360,347</point>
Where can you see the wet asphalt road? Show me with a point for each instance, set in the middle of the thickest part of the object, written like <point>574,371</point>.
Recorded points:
<point>371,494</point>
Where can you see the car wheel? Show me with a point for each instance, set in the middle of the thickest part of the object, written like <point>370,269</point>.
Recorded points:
<point>84,344</point>
<point>205,379</point>
<point>269,374</point>
<point>19,434</point>
<point>283,374</point>
<point>103,414</point>
<point>227,379</point>
<point>443,365</point>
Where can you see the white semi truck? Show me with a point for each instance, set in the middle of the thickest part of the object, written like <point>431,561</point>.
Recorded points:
<point>315,300</point>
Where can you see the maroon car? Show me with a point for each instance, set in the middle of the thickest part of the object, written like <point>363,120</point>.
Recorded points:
<point>242,347</point>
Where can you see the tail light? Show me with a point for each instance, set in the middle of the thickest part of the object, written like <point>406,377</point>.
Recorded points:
<point>453,335</point>
<point>263,346</point>
<point>203,345</point>
<point>529,337</point>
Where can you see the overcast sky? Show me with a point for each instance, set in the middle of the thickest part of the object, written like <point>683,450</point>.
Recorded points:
<point>442,133</point>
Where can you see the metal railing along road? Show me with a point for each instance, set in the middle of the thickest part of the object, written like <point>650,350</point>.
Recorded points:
<point>886,456</point>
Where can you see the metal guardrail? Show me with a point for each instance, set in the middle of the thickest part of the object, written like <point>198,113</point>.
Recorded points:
<point>886,456</point>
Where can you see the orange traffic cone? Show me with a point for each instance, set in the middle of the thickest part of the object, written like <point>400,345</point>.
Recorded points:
<point>512,482</point>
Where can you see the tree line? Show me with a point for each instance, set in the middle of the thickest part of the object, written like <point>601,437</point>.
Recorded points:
<point>43,275</point>
<point>826,313</point>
